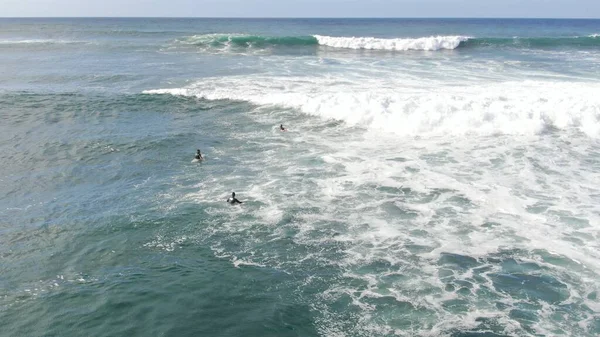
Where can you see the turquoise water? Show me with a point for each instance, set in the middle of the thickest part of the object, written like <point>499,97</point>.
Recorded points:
<point>438,177</point>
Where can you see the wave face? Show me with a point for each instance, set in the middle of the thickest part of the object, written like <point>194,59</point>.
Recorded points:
<point>522,108</point>
<point>241,40</point>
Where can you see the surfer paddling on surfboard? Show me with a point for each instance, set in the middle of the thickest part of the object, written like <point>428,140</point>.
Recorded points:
<point>233,200</point>
<point>198,157</point>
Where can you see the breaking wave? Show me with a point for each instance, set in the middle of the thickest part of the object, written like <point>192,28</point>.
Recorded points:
<point>430,43</point>
<point>257,41</point>
<point>528,107</point>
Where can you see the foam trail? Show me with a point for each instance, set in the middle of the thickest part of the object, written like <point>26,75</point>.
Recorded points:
<point>40,41</point>
<point>398,44</point>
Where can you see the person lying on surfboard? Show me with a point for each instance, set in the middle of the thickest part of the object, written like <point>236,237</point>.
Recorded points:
<point>233,200</point>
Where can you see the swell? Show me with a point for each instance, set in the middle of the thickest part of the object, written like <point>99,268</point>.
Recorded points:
<point>368,43</point>
<point>535,42</point>
<point>234,40</point>
<point>65,101</point>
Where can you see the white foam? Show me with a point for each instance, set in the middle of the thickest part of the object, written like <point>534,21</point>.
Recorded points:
<point>208,38</point>
<point>371,179</point>
<point>424,43</point>
<point>40,41</point>
<point>515,107</point>
<point>372,244</point>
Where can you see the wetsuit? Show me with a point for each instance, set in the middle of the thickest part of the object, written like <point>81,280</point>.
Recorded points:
<point>233,200</point>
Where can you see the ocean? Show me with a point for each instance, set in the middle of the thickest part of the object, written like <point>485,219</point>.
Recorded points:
<point>438,177</point>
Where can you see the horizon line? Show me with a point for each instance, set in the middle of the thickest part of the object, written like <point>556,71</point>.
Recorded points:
<point>296,18</point>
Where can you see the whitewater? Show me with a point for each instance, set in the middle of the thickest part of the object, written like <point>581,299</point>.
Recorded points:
<point>437,177</point>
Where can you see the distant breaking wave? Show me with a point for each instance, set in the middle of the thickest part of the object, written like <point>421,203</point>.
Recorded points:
<point>257,41</point>
<point>431,43</point>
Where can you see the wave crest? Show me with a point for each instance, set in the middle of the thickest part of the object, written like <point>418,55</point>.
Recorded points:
<point>424,43</point>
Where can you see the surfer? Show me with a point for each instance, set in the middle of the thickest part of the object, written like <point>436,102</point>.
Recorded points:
<point>198,155</point>
<point>233,200</point>
<point>281,127</point>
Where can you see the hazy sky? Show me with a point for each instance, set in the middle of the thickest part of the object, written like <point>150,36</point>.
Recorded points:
<point>304,8</point>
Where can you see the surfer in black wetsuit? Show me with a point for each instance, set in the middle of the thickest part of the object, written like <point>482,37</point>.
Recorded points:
<point>233,200</point>
<point>198,155</point>
<point>281,127</point>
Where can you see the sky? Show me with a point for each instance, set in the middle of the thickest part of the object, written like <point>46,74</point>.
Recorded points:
<point>303,8</point>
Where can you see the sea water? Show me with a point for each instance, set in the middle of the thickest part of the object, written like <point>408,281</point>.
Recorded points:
<point>437,178</point>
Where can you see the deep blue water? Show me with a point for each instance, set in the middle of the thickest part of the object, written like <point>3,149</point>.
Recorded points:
<point>439,177</point>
